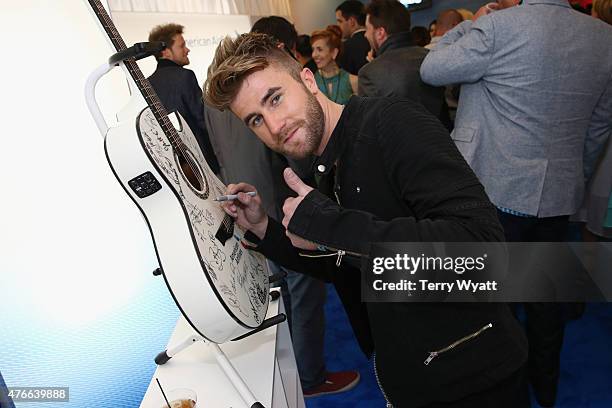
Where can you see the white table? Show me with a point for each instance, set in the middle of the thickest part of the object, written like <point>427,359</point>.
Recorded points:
<point>264,360</point>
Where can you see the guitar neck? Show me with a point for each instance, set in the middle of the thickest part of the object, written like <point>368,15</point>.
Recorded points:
<point>142,83</point>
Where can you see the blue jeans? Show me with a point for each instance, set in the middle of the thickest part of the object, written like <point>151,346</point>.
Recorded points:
<point>304,299</point>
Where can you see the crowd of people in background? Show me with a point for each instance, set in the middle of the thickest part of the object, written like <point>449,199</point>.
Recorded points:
<point>523,91</point>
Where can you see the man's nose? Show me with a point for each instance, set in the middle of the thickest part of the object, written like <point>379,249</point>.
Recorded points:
<point>276,124</point>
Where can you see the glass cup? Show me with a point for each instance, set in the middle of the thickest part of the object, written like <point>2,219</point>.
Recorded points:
<point>179,398</point>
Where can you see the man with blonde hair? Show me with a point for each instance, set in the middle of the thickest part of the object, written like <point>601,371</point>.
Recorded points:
<point>398,178</point>
<point>244,158</point>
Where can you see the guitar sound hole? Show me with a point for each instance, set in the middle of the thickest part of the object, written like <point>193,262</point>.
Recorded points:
<point>192,173</point>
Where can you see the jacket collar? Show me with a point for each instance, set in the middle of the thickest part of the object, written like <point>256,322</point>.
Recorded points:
<point>397,40</point>
<point>338,139</point>
<point>357,31</point>
<point>563,3</point>
<point>163,63</point>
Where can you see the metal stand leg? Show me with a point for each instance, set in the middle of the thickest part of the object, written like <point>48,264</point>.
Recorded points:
<point>234,377</point>
<point>224,363</point>
<point>164,356</point>
<point>222,360</point>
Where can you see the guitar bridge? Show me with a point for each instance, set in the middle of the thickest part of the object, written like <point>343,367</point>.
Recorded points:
<point>226,229</point>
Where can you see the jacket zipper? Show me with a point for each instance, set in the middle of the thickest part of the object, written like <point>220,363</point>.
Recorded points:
<point>388,404</point>
<point>434,354</point>
<point>335,252</point>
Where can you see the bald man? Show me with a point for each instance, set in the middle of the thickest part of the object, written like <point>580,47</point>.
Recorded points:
<point>446,20</point>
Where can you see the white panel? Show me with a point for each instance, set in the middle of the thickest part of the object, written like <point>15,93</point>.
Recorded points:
<point>267,7</point>
<point>73,247</point>
<point>313,15</point>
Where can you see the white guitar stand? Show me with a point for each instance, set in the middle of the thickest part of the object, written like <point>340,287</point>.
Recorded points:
<point>227,367</point>
<point>222,360</point>
<point>138,51</point>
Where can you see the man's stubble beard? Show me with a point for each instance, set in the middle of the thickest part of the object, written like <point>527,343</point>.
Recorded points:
<point>314,125</point>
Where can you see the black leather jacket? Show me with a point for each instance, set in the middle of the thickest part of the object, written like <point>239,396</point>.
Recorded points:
<point>399,177</point>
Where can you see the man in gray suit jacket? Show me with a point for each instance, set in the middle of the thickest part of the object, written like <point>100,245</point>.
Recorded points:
<point>534,112</point>
<point>536,95</point>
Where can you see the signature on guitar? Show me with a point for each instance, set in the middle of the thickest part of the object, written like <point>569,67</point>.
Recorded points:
<point>217,253</point>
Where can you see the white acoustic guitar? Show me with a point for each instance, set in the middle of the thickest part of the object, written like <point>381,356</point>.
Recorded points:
<point>221,288</point>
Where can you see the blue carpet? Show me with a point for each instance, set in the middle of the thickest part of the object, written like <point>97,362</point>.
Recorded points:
<point>586,361</point>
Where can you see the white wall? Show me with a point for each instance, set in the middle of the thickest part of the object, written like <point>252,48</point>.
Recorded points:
<point>66,225</point>
<point>313,14</point>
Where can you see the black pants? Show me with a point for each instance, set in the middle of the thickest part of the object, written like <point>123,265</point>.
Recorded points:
<point>545,322</point>
<point>509,393</point>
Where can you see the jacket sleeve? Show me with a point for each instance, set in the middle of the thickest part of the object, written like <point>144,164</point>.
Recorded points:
<point>599,130</point>
<point>192,98</point>
<point>431,177</point>
<point>351,59</point>
<point>462,55</point>
<point>365,84</point>
<point>277,247</point>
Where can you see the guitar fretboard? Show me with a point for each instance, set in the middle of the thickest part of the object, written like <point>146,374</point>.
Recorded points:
<point>143,84</point>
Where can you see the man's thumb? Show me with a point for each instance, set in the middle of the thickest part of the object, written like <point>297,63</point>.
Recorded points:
<point>295,183</point>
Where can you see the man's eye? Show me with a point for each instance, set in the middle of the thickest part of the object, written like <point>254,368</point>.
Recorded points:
<point>275,100</point>
<point>256,121</point>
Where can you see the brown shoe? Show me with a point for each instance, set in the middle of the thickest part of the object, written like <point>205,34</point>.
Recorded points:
<point>334,383</point>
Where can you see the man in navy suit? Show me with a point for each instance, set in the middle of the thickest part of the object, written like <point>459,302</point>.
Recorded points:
<point>350,16</point>
<point>178,88</point>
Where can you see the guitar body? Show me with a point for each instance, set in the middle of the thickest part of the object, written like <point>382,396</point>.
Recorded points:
<point>220,287</point>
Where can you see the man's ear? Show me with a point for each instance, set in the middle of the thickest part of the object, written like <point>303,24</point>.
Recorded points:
<point>309,81</point>
<point>165,53</point>
<point>381,34</point>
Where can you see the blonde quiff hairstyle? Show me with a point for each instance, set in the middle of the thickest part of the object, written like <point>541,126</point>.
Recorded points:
<point>235,59</point>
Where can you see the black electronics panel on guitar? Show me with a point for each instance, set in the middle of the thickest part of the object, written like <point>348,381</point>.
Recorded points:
<point>145,184</point>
